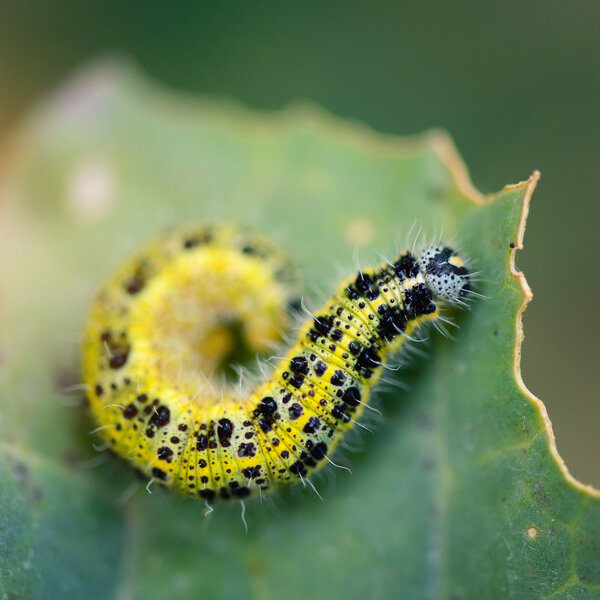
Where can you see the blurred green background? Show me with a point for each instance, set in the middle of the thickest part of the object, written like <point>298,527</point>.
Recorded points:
<point>516,84</point>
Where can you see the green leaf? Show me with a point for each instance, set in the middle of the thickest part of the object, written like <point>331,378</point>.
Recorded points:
<point>458,494</point>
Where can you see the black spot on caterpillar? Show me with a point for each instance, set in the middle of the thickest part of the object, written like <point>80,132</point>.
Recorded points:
<point>189,301</point>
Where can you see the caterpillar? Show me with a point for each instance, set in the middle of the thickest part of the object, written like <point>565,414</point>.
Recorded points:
<point>202,296</point>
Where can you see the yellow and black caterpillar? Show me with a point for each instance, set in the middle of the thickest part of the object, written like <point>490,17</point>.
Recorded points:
<point>193,300</point>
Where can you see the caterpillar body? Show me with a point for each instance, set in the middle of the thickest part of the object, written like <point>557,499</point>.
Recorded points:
<point>191,301</point>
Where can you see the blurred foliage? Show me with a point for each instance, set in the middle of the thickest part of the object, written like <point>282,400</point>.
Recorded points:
<point>458,495</point>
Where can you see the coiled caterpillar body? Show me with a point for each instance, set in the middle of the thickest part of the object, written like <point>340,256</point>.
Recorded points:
<point>193,300</point>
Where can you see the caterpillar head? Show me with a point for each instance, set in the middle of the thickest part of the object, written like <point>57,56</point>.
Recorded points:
<point>445,272</point>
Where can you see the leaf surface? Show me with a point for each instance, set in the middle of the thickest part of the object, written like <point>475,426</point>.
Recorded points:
<point>458,494</point>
